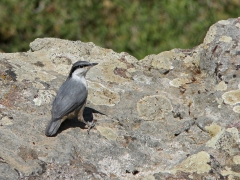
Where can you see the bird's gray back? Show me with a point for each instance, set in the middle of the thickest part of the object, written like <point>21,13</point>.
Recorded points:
<point>71,96</point>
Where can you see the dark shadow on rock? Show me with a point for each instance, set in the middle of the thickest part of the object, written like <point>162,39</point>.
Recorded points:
<point>72,123</point>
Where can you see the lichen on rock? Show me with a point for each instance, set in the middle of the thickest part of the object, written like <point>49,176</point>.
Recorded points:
<point>174,115</point>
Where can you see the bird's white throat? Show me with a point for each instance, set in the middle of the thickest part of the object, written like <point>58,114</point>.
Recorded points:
<point>79,75</point>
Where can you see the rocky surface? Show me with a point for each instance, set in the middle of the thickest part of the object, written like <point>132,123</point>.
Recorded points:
<point>174,115</point>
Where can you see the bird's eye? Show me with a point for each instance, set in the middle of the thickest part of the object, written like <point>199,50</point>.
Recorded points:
<point>81,66</point>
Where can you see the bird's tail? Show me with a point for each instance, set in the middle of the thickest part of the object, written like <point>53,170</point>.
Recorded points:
<point>52,127</point>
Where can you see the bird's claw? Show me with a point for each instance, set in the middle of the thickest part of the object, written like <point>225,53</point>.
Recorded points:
<point>90,126</point>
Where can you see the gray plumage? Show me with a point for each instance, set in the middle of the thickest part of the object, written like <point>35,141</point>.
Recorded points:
<point>71,98</point>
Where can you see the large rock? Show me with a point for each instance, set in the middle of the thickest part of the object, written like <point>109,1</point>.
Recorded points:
<point>171,115</point>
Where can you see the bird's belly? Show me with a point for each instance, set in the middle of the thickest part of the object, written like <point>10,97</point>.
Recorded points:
<point>69,116</point>
<point>77,113</point>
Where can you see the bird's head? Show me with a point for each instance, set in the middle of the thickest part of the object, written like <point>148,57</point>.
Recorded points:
<point>80,68</point>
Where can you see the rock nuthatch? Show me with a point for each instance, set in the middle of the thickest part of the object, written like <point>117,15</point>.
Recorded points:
<point>71,98</point>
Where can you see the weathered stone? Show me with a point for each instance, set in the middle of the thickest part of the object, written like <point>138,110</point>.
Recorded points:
<point>153,107</point>
<point>227,140</point>
<point>7,173</point>
<point>195,163</point>
<point>173,115</point>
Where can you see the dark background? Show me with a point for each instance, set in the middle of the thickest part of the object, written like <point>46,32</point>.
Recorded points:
<point>139,27</point>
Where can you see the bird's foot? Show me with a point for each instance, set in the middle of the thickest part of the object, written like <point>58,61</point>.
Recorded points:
<point>91,125</point>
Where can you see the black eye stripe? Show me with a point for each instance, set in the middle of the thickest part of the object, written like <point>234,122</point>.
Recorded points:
<point>81,66</point>
<point>78,66</point>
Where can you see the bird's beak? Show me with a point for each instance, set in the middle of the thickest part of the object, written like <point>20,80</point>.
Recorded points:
<point>94,64</point>
<point>90,65</point>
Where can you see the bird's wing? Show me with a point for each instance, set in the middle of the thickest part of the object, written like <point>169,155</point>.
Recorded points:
<point>70,96</point>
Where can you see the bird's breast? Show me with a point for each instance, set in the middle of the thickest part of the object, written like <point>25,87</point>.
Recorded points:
<point>81,80</point>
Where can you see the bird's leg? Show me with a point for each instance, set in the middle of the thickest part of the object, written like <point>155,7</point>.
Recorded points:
<point>80,118</point>
<point>89,124</point>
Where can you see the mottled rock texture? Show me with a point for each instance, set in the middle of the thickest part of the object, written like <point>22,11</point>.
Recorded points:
<point>174,115</point>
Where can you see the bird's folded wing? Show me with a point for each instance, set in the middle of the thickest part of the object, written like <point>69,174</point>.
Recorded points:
<point>70,97</point>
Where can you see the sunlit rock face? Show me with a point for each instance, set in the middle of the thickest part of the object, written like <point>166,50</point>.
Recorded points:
<point>170,115</point>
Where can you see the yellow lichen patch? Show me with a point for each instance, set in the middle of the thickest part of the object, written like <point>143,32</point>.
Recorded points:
<point>224,140</point>
<point>234,133</point>
<point>153,107</point>
<point>228,172</point>
<point>236,159</point>
<point>192,61</point>
<point>222,86</point>
<point>205,46</point>
<point>184,74</point>
<point>107,132</point>
<point>212,142</point>
<point>237,25</point>
<point>100,95</point>
<point>213,129</point>
<point>236,109</point>
<point>131,70</point>
<point>179,82</point>
<point>232,97</point>
<point>210,35</point>
<point>196,163</point>
<point>188,59</point>
<point>163,60</point>
<point>6,121</point>
<point>223,22</point>
<point>226,39</point>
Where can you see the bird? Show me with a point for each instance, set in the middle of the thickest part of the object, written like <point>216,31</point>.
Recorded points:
<point>71,98</point>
